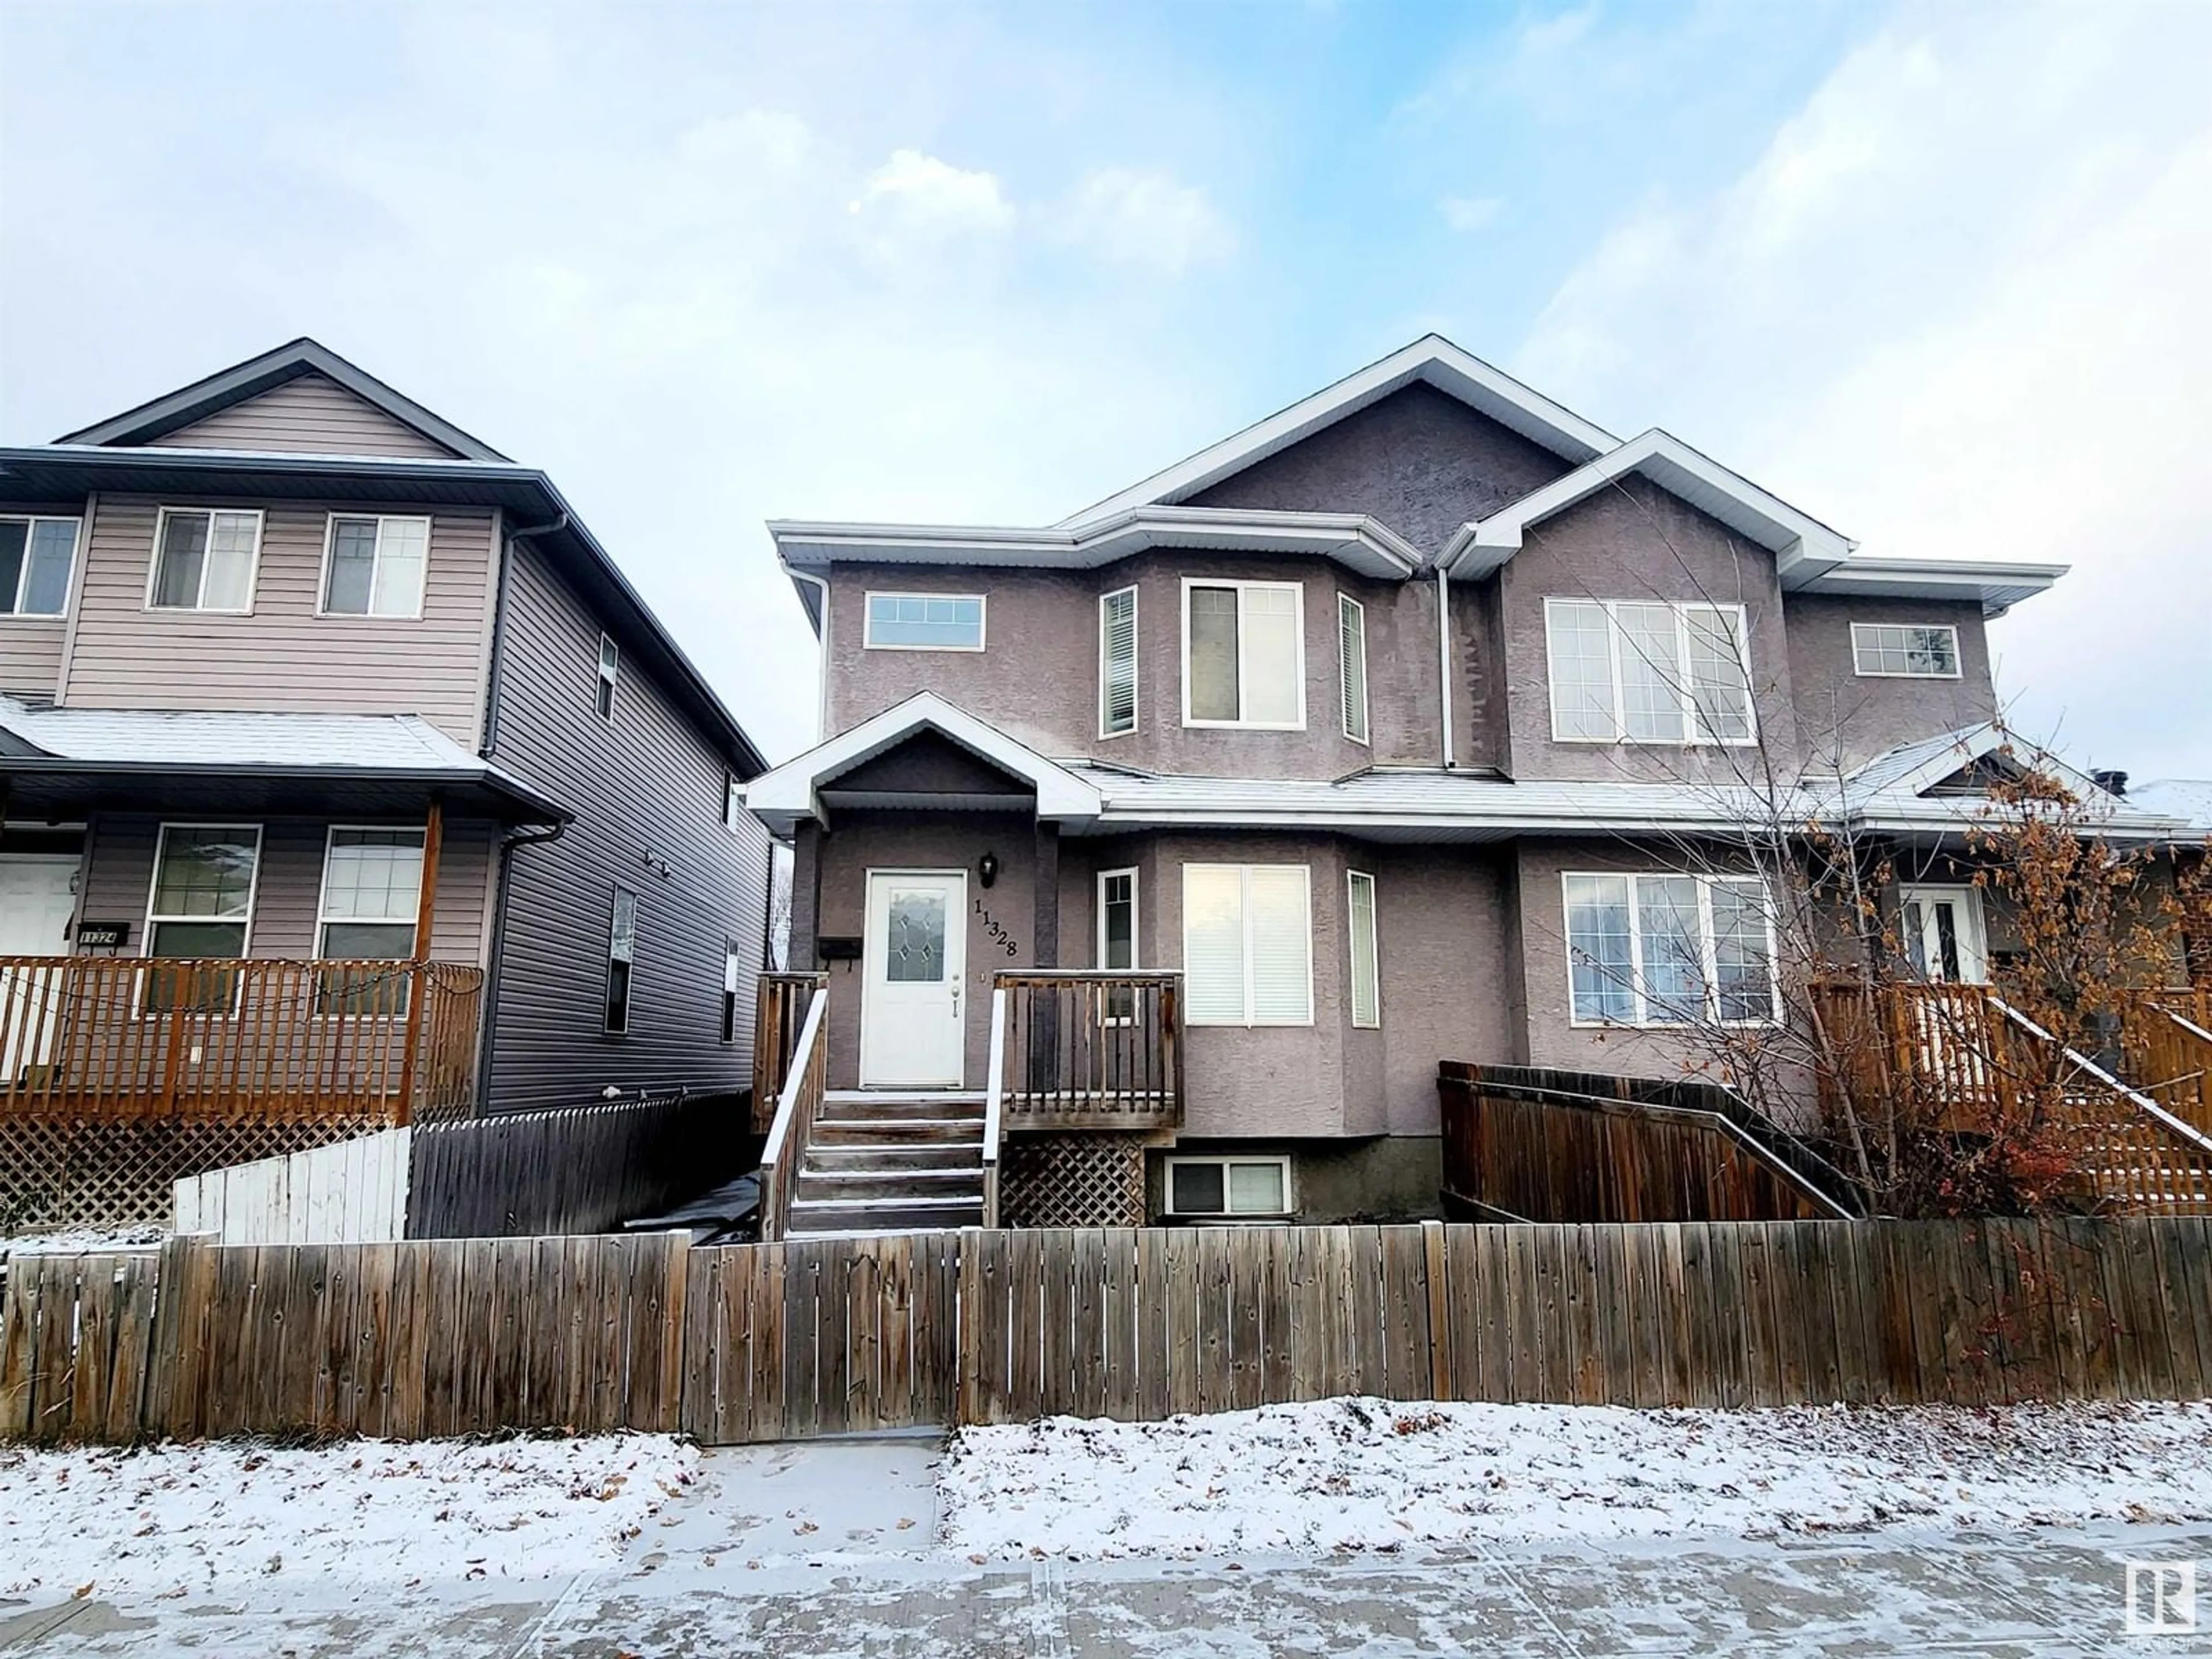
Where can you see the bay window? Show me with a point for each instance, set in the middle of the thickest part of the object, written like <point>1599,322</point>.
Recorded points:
<point>1248,944</point>
<point>1648,671</point>
<point>1244,654</point>
<point>1670,950</point>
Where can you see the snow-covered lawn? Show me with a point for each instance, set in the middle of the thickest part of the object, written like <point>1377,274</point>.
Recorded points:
<point>177,1519</point>
<point>1365,1474</point>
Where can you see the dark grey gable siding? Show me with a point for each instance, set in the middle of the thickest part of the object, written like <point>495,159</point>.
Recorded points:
<point>647,791</point>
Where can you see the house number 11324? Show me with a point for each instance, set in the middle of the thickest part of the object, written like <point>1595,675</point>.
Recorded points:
<point>997,934</point>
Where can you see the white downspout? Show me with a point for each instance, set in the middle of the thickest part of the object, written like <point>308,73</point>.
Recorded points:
<point>821,708</point>
<point>1444,660</point>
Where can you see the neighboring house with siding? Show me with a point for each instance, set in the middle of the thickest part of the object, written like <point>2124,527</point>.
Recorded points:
<point>310,693</point>
<point>1375,733</point>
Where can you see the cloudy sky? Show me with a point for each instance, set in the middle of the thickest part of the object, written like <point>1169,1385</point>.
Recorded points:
<point>1935,273</point>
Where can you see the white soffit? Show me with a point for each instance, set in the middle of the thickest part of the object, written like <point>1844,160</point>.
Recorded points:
<point>1799,541</point>
<point>789,792</point>
<point>1353,539</point>
<point>1996,587</point>
<point>1432,359</point>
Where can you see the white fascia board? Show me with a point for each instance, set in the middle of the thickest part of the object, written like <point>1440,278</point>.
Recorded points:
<point>1352,539</point>
<point>1996,587</point>
<point>1432,359</point>
<point>1798,541</point>
<point>791,792</point>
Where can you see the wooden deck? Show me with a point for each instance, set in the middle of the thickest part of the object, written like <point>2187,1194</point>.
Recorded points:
<point>1098,1050</point>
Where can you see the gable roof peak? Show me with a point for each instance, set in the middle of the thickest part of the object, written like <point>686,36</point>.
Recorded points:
<point>150,421</point>
<point>1432,360</point>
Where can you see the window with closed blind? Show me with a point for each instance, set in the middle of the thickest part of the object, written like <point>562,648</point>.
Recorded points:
<point>1352,657</point>
<point>1117,663</point>
<point>1248,944</point>
<point>1366,974</point>
<point>1244,654</point>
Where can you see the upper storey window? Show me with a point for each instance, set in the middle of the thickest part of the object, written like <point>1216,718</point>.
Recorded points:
<point>37,556</point>
<point>1117,663</point>
<point>1636,671</point>
<point>373,567</point>
<point>1243,655</point>
<point>203,560</point>
<point>1906,651</point>
<point>924,622</point>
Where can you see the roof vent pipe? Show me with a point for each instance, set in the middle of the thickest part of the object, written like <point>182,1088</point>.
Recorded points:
<point>2113,783</point>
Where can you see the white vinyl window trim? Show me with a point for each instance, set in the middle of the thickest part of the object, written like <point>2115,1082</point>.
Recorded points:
<point>228,519</point>
<point>1246,652</point>
<point>42,535</point>
<point>241,918</point>
<point>1351,661</point>
<point>1903,650</point>
<point>350,994</point>
<point>1119,1005</point>
<point>610,675</point>
<point>398,572</point>
<point>1117,663</point>
<point>1248,945</point>
<point>1366,962</point>
<point>404,837</point>
<point>1621,658</point>
<point>1229,1165</point>
<point>930,610</point>
<point>1634,984</point>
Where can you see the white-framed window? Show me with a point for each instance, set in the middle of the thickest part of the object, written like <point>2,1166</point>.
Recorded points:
<point>203,560</point>
<point>1919,651</point>
<point>1638,670</point>
<point>200,906</point>
<point>1117,939</point>
<point>373,565</point>
<point>1669,948</point>
<point>1228,1186</point>
<point>622,957</point>
<point>1351,659</point>
<point>923,622</point>
<point>1117,663</point>
<point>1244,654</point>
<point>1367,965</point>
<point>37,557</point>
<point>732,973</point>
<point>371,896</point>
<point>1248,944</point>
<point>603,692</point>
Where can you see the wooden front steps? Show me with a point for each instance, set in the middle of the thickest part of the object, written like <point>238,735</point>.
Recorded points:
<point>890,1162</point>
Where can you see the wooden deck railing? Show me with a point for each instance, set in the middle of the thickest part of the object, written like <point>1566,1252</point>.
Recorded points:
<point>796,1108</point>
<point>2168,1041</point>
<point>238,1041</point>
<point>1090,1050</point>
<point>779,1010</point>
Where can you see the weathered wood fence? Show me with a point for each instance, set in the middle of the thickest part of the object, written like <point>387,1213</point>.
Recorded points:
<point>764,1342</point>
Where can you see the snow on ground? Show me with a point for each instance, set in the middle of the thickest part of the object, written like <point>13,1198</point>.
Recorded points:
<point>80,1239</point>
<point>175,1519</point>
<point>1365,1474</point>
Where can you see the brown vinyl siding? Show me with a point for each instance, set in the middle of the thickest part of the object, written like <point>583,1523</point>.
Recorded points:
<point>648,788</point>
<point>282,656</point>
<point>120,867</point>
<point>311,414</point>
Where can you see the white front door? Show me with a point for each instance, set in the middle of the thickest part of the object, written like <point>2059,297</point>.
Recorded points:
<point>912,1034</point>
<point>1943,933</point>
<point>36,904</point>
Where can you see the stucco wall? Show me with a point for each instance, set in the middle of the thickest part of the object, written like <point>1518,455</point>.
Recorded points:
<point>1639,542</point>
<point>1840,714</point>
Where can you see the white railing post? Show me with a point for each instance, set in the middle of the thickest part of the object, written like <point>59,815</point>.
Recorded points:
<point>994,1104</point>
<point>786,1110</point>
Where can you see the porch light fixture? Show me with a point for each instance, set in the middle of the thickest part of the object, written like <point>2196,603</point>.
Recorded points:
<point>987,868</point>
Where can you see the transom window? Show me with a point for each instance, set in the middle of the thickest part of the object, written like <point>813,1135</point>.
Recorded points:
<point>1244,654</point>
<point>202,907</point>
<point>1117,663</point>
<point>1248,944</point>
<point>375,566</point>
<point>924,621</point>
<point>1648,671</point>
<point>1919,651</point>
<point>37,558</point>
<point>203,560</point>
<point>1671,950</point>
<point>1228,1186</point>
<point>371,896</point>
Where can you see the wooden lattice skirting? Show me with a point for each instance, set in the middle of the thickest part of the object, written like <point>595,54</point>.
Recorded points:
<point>58,1172</point>
<point>1073,1180</point>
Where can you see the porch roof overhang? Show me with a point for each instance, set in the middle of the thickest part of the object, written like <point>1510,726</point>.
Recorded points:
<point>66,763</point>
<point>796,791</point>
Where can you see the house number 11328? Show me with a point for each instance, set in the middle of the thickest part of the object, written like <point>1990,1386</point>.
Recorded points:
<point>998,934</point>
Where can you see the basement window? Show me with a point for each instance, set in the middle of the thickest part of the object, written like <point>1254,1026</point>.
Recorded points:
<point>1228,1186</point>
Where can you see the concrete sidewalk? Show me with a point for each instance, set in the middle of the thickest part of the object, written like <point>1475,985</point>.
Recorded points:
<point>2023,1594</point>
